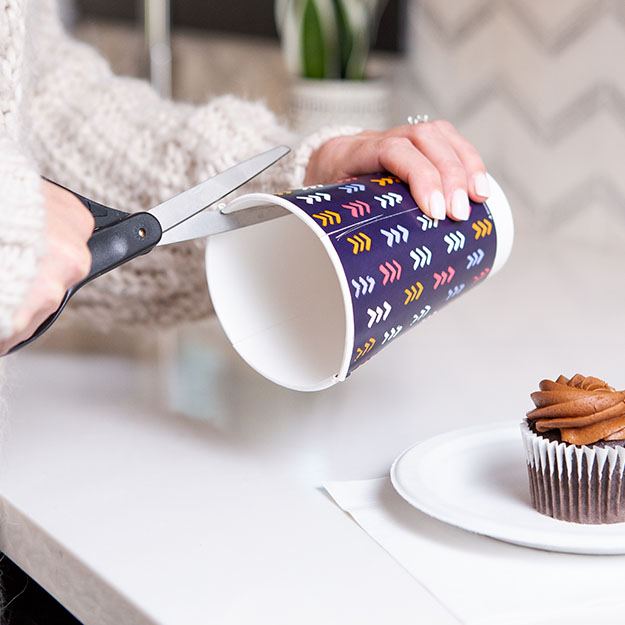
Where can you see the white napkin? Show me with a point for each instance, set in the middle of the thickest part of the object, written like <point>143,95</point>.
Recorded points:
<point>483,581</point>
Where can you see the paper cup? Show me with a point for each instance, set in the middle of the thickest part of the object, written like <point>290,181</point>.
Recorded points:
<point>308,298</point>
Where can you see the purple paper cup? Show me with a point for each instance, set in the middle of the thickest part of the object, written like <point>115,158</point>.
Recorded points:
<point>308,298</point>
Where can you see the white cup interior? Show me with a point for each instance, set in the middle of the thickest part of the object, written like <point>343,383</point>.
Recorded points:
<point>278,296</point>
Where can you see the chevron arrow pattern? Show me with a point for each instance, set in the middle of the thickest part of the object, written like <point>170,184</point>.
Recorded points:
<point>389,199</point>
<point>427,223</point>
<point>481,275</point>
<point>391,271</point>
<point>481,19</point>
<point>422,256</point>
<point>385,180</point>
<point>395,235</point>
<point>310,187</point>
<point>311,198</point>
<point>557,110</point>
<point>483,228</point>
<point>360,243</point>
<point>354,187</point>
<point>367,347</point>
<point>355,221</point>
<point>327,217</point>
<point>363,285</point>
<point>389,335</point>
<point>379,313</point>
<point>421,315</point>
<point>444,277</point>
<point>455,241</point>
<point>413,293</point>
<point>358,208</point>
<point>455,291</point>
<point>475,258</point>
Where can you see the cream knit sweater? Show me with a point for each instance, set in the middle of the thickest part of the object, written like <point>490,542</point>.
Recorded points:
<point>64,115</point>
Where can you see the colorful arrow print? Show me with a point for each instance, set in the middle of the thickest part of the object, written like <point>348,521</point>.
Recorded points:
<point>427,223</point>
<point>361,243</point>
<point>422,256</point>
<point>421,315</point>
<point>386,180</point>
<point>353,188</point>
<point>413,293</point>
<point>475,259</point>
<point>483,228</point>
<point>328,217</point>
<point>363,285</point>
<point>455,241</point>
<point>367,347</point>
<point>444,277</point>
<point>395,235</point>
<point>389,199</point>
<point>379,313</point>
<point>391,272</point>
<point>455,291</point>
<point>481,275</point>
<point>389,335</point>
<point>358,208</point>
<point>291,191</point>
<point>311,198</point>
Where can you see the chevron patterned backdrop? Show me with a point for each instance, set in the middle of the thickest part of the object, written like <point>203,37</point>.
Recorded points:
<point>539,86</point>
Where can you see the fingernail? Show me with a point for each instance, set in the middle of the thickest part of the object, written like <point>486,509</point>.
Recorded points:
<point>480,183</point>
<point>437,205</point>
<point>460,208</point>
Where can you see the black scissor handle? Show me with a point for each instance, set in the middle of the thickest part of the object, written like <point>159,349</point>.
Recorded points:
<point>114,245</point>
<point>118,237</point>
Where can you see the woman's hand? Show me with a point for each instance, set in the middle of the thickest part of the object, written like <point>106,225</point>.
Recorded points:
<point>442,168</point>
<point>66,261</point>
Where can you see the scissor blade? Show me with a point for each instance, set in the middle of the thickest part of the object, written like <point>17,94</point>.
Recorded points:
<point>185,205</point>
<point>213,222</point>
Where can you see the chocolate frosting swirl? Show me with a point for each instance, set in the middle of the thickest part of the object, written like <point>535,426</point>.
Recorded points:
<point>585,410</point>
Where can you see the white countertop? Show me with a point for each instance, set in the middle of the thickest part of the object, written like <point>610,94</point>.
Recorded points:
<point>128,513</point>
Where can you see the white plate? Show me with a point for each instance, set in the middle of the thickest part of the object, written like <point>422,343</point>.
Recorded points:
<point>475,479</point>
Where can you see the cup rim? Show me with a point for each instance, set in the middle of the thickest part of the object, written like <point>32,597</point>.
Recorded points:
<point>255,199</point>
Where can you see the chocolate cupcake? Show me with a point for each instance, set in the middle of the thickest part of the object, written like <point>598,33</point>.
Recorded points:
<point>575,450</point>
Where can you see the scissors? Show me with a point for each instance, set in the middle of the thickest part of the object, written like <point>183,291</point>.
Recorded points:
<point>118,237</point>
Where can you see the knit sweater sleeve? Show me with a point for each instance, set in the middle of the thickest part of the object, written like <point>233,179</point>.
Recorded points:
<point>21,229</point>
<point>21,204</point>
<point>113,139</point>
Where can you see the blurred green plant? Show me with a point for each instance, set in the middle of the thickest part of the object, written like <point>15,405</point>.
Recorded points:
<point>328,38</point>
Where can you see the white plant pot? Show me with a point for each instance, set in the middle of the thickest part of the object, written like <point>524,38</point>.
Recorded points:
<point>317,103</point>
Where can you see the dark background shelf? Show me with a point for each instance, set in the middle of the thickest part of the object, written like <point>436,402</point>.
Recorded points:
<point>246,17</point>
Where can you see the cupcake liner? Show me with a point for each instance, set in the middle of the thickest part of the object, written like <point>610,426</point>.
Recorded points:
<point>579,484</point>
